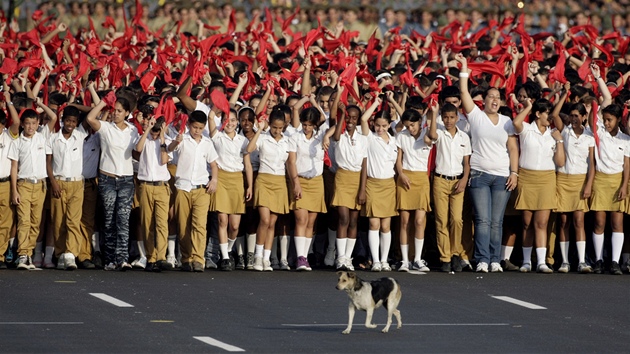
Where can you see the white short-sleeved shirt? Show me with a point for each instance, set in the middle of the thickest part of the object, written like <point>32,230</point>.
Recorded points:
<point>230,151</point>
<point>30,153</point>
<point>537,149</point>
<point>150,168</point>
<point>489,143</point>
<point>309,154</point>
<point>576,151</point>
<point>415,151</point>
<point>291,130</point>
<point>194,159</point>
<point>5,144</point>
<point>381,156</point>
<point>67,154</point>
<point>253,156</point>
<point>462,123</point>
<point>117,146</point>
<point>451,151</point>
<point>91,155</point>
<point>350,151</point>
<point>273,154</point>
<point>612,150</point>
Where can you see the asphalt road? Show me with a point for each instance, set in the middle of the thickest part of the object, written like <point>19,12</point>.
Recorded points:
<point>53,311</point>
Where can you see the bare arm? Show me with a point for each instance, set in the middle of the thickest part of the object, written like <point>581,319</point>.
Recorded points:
<point>559,157</point>
<point>432,118</point>
<point>467,101</point>
<point>601,84</point>
<point>92,117</point>
<point>512,146</point>
<point>182,94</point>
<point>365,127</point>
<point>14,191</point>
<point>520,118</point>
<point>555,114</point>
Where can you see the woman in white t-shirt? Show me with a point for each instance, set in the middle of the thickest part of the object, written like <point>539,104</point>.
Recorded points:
<point>493,175</point>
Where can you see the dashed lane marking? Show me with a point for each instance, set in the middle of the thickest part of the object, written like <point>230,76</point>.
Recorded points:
<point>404,324</point>
<point>161,321</point>
<point>215,343</point>
<point>39,323</point>
<point>65,281</point>
<point>518,302</point>
<point>112,300</point>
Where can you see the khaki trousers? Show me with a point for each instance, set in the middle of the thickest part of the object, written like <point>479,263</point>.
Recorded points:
<point>7,213</point>
<point>88,218</point>
<point>29,213</point>
<point>154,204</point>
<point>191,210</point>
<point>448,218</point>
<point>65,213</point>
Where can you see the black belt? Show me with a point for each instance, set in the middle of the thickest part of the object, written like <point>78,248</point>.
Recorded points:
<point>155,183</point>
<point>5,179</point>
<point>449,178</point>
<point>197,186</point>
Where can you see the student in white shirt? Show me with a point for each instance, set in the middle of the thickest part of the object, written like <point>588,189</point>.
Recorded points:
<point>413,189</point>
<point>232,193</point>
<point>542,150</point>
<point>574,180</point>
<point>64,160</point>
<point>116,184</point>
<point>452,168</point>
<point>493,175</point>
<point>380,188</point>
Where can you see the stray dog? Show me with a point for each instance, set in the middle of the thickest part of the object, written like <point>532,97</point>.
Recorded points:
<point>367,296</point>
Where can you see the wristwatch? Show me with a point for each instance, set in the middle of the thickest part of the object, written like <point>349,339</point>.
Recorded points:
<point>163,146</point>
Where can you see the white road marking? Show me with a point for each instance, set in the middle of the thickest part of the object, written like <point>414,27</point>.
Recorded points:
<point>404,324</point>
<point>215,343</point>
<point>514,301</point>
<point>40,323</point>
<point>112,300</point>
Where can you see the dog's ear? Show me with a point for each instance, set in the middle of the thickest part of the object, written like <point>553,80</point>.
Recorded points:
<point>352,275</point>
<point>339,273</point>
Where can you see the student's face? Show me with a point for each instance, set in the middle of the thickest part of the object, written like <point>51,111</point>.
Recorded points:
<point>232,123</point>
<point>352,119</point>
<point>575,119</point>
<point>254,103</point>
<point>381,125</point>
<point>308,128</point>
<point>30,126</point>
<point>449,119</point>
<point>521,96</point>
<point>413,127</point>
<point>196,129</point>
<point>454,101</point>
<point>610,122</point>
<point>272,102</point>
<point>276,128</point>
<point>324,102</point>
<point>492,102</point>
<point>544,118</point>
<point>70,124</point>
<point>246,125</point>
<point>120,114</point>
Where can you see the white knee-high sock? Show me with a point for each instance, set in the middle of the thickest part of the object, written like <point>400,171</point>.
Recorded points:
<point>374,241</point>
<point>404,249</point>
<point>266,255</point>
<point>564,249</point>
<point>299,241</point>
<point>308,247</point>
<point>284,246</point>
<point>350,246</point>
<point>581,249</point>
<point>230,244</point>
<point>251,243</point>
<point>617,245</point>
<point>598,244</point>
<point>141,250</point>
<point>224,250</point>
<point>341,247</point>
<point>171,245</point>
<point>258,251</point>
<point>527,255</point>
<point>386,242</point>
<point>240,240</point>
<point>419,244</point>
<point>541,254</point>
<point>274,248</point>
<point>506,252</point>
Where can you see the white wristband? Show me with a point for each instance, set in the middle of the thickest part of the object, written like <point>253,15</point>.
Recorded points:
<point>464,75</point>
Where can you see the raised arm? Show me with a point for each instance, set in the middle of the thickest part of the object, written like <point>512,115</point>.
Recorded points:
<point>591,122</point>
<point>555,114</point>
<point>182,94</point>
<point>251,147</point>
<point>242,81</point>
<point>295,110</point>
<point>432,114</point>
<point>145,134</point>
<point>14,129</point>
<point>467,101</point>
<point>263,101</point>
<point>92,117</point>
<point>49,112</point>
<point>601,84</point>
<point>365,126</point>
<point>211,123</point>
<point>520,118</point>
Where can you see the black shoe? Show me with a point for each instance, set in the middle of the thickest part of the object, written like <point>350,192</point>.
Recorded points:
<point>86,264</point>
<point>165,265</point>
<point>446,267</point>
<point>97,259</point>
<point>456,264</point>
<point>3,265</point>
<point>508,266</point>
<point>197,267</point>
<point>186,267</point>
<point>226,265</point>
<point>240,262</point>
<point>615,269</point>
<point>599,267</point>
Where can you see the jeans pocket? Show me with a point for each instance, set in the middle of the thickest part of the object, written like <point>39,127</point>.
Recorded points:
<point>474,176</point>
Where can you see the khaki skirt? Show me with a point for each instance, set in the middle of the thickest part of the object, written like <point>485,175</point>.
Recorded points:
<point>418,196</point>
<point>605,190</point>
<point>536,190</point>
<point>270,191</point>
<point>312,195</point>
<point>347,184</point>
<point>380,199</point>
<point>569,190</point>
<point>230,195</point>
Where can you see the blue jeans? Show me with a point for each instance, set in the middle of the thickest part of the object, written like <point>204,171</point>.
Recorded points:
<point>489,196</point>
<point>117,197</point>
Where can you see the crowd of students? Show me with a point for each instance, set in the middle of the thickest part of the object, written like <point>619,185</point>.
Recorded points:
<point>230,147</point>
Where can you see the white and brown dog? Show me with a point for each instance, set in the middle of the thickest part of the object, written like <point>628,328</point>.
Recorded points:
<point>367,296</point>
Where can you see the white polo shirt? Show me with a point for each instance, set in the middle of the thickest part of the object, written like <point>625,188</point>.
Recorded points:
<point>350,151</point>
<point>576,151</point>
<point>310,154</point>
<point>117,146</point>
<point>462,123</point>
<point>537,149</point>
<point>612,150</point>
<point>193,164</point>
<point>91,155</point>
<point>150,168</point>
<point>67,154</point>
<point>30,153</point>
<point>5,144</point>
<point>381,156</point>
<point>230,151</point>
<point>489,143</point>
<point>273,154</point>
<point>451,151</point>
<point>415,151</point>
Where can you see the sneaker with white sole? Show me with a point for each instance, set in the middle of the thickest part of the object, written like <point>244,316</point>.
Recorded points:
<point>140,262</point>
<point>482,267</point>
<point>525,268</point>
<point>385,267</point>
<point>110,266</point>
<point>61,261</point>
<point>404,267</point>
<point>495,267</point>
<point>564,268</point>
<point>543,268</point>
<point>340,263</point>
<point>70,262</point>
<point>22,262</point>
<point>258,264</point>
<point>584,268</point>
<point>376,267</point>
<point>267,266</point>
<point>349,265</point>
<point>250,261</point>
<point>329,260</point>
<point>275,264</point>
<point>171,260</point>
<point>284,265</point>
<point>420,265</point>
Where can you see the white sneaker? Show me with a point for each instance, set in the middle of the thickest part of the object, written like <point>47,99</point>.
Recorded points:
<point>482,267</point>
<point>70,261</point>
<point>258,263</point>
<point>404,267</point>
<point>284,265</point>
<point>420,265</point>
<point>495,267</point>
<point>543,268</point>
<point>564,268</point>
<point>23,262</point>
<point>329,260</point>
<point>171,260</point>
<point>349,265</point>
<point>267,266</point>
<point>340,263</point>
<point>61,261</point>
<point>385,267</point>
<point>110,266</point>
<point>376,267</point>
<point>525,268</point>
<point>140,263</point>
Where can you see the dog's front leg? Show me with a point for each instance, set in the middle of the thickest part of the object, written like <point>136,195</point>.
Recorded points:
<point>389,320</point>
<point>368,318</point>
<point>350,318</point>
